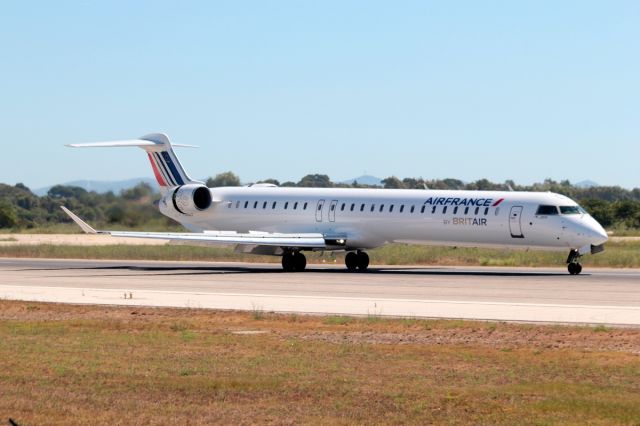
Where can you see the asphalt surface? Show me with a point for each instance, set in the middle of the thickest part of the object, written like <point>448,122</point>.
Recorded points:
<point>597,296</point>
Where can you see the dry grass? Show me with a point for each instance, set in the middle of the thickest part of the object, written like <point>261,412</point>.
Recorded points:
<point>63,364</point>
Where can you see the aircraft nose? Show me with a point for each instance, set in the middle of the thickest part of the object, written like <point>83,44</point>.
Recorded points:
<point>596,233</point>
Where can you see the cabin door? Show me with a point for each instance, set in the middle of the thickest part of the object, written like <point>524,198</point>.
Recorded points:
<point>319,211</point>
<point>332,210</point>
<point>515,222</point>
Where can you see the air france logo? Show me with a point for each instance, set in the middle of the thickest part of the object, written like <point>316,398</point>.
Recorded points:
<point>476,202</point>
<point>465,202</point>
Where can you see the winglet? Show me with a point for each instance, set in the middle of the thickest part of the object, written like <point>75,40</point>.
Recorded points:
<point>81,223</point>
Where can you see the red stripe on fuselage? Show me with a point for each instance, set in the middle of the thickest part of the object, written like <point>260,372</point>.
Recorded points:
<point>156,172</point>
<point>497,202</point>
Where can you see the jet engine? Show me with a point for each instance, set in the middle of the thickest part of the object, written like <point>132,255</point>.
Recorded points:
<point>190,199</point>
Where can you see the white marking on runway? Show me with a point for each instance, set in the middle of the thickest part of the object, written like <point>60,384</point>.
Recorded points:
<point>499,311</point>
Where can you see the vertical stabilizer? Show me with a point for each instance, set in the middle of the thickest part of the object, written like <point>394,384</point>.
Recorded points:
<point>164,162</point>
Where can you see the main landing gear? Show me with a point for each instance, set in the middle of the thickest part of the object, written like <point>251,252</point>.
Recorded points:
<point>357,260</point>
<point>573,265</point>
<point>293,261</point>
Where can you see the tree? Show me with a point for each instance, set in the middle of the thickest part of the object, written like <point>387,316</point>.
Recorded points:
<point>453,183</point>
<point>62,191</point>
<point>224,179</point>
<point>316,181</point>
<point>392,182</point>
<point>271,181</point>
<point>8,215</point>
<point>138,192</point>
<point>600,210</point>
<point>627,212</point>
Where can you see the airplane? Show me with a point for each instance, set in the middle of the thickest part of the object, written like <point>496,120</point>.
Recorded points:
<point>270,220</point>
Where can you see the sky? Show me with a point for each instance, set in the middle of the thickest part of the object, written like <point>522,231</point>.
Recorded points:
<point>522,90</point>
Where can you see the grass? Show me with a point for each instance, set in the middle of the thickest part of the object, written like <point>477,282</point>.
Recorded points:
<point>63,364</point>
<point>7,239</point>
<point>618,254</point>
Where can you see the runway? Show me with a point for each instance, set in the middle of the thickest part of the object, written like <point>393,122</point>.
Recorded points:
<point>598,296</point>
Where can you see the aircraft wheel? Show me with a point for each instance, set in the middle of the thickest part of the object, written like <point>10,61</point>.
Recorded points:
<point>363,261</point>
<point>351,261</point>
<point>300,261</point>
<point>288,262</point>
<point>574,268</point>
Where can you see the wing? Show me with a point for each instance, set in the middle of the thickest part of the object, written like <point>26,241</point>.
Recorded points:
<point>308,241</point>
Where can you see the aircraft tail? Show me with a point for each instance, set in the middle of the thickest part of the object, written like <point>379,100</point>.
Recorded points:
<point>165,164</point>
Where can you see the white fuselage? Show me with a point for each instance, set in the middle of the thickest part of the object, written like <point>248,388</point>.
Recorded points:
<point>368,218</point>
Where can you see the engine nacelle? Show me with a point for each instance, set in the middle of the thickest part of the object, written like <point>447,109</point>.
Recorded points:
<point>190,199</point>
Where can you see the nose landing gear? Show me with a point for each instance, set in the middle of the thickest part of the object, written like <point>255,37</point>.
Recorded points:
<point>357,260</point>
<point>573,265</point>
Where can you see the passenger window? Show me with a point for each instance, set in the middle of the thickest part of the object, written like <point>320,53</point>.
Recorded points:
<point>286,205</point>
<point>373,207</point>
<point>391,208</point>
<point>547,210</point>
<point>304,207</point>
<point>413,208</point>
<point>486,211</point>
<point>401,208</point>
<point>422,209</point>
<point>466,210</point>
<point>274,205</point>
<point>264,205</point>
<point>237,204</point>
<point>433,209</point>
<point>295,205</point>
<point>342,207</point>
<point>444,210</point>
<point>320,207</point>
<point>333,207</point>
<point>353,206</point>
<point>362,207</point>
<point>246,203</point>
<point>381,207</point>
<point>255,205</point>
<point>477,210</point>
<point>455,210</point>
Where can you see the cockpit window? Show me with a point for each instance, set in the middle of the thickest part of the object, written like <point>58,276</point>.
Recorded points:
<point>571,210</point>
<point>547,210</point>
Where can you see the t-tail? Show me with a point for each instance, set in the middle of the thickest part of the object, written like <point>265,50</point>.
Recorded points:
<point>165,164</point>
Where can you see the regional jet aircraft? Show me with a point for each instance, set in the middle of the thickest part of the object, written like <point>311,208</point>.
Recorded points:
<point>286,222</point>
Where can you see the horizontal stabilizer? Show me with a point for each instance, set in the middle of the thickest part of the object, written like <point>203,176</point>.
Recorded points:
<point>166,167</point>
<point>125,143</point>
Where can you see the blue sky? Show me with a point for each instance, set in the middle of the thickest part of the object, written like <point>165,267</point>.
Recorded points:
<point>500,90</point>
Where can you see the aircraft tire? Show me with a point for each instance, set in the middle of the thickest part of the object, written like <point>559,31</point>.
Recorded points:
<point>363,261</point>
<point>574,268</point>
<point>351,261</point>
<point>299,261</point>
<point>288,262</point>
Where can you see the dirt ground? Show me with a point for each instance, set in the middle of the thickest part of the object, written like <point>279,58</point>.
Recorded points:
<point>339,329</point>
